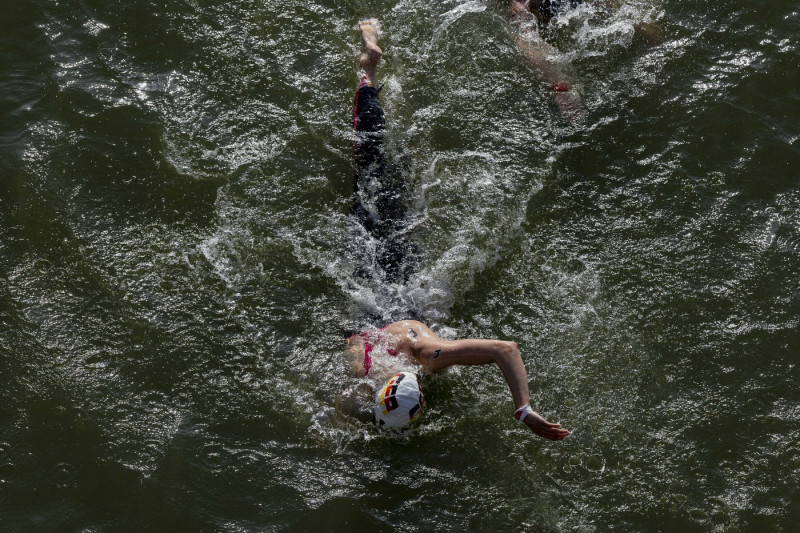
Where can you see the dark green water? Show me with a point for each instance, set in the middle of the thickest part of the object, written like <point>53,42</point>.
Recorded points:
<point>176,261</point>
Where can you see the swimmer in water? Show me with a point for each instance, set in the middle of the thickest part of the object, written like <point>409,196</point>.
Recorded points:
<point>411,340</point>
<point>525,12</point>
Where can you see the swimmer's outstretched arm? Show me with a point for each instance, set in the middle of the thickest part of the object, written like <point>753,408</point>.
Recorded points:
<point>436,354</point>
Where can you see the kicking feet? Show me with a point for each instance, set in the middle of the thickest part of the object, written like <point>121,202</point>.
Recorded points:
<point>370,51</point>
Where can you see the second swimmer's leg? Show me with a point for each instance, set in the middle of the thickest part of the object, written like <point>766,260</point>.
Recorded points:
<point>536,51</point>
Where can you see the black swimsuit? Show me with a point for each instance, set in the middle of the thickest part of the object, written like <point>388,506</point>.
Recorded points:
<point>380,191</point>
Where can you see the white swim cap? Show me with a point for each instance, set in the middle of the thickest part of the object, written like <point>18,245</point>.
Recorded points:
<point>399,402</point>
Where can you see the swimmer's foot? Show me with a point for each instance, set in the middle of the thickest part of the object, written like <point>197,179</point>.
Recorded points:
<point>370,51</point>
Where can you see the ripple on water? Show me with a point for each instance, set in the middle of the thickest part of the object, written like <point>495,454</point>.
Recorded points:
<point>8,472</point>
<point>64,475</point>
<point>698,515</point>
<point>787,240</point>
<point>595,463</point>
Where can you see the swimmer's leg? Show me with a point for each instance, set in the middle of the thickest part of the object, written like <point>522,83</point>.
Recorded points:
<point>369,124</point>
<point>370,51</point>
<point>380,195</point>
<point>536,51</point>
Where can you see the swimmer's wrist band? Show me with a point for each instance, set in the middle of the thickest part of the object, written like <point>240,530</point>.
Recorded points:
<point>522,412</point>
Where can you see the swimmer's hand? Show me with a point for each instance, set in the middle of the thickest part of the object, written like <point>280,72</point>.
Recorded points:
<point>545,429</point>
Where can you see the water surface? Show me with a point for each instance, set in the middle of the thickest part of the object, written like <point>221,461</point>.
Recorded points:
<point>177,262</point>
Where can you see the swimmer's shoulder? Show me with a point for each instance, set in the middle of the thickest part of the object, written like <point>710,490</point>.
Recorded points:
<point>410,327</point>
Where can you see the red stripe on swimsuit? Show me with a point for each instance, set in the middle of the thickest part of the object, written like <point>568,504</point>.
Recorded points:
<point>368,346</point>
<point>361,83</point>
